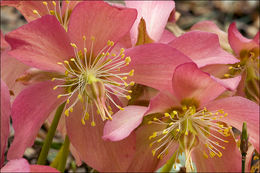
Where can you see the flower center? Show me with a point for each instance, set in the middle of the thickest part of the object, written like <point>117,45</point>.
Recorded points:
<point>188,126</point>
<point>95,80</point>
<point>55,9</point>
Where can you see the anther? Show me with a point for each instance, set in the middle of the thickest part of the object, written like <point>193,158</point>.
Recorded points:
<point>128,97</point>
<point>73,45</point>
<point>131,73</point>
<point>93,123</point>
<point>132,83</point>
<point>45,3</point>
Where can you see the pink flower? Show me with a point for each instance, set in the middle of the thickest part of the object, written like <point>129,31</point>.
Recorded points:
<point>22,165</point>
<point>32,10</point>
<point>189,119</point>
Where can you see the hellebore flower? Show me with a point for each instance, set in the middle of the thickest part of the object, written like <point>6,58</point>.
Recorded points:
<point>83,73</point>
<point>190,119</point>
<point>22,165</point>
<point>32,10</point>
<point>152,17</point>
<point>5,118</point>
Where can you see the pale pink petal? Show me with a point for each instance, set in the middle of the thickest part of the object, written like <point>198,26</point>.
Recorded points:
<point>17,165</point>
<point>163,101</point>
<point>240,110</point>
<point>123,123</point>
<point>99,20</point>
<point>210,26</point>
<point>203,48</point>
<point>155,14</point>
<point>29,111</point>
<point>238,42</point>
<point>229,83</point>
<point>41,168</point>
<point>167,37</point>
<point>229,162</point>
<point>41,44</point>
<point>68,6</point>
<point>103,156</point>
<point>189,82</point>
<point>5,118</point>
<point>154,64</point>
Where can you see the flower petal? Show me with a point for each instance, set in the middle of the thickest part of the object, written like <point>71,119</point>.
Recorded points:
<point>240,110</point>
<point>5,118</point>
<point>155,14</point>
<point>41,168</point>
<point>41,44</point>
<point>167,37</point>
<point>210,26</point>
<point>17,165</point>
<point>229,162</point>
<point>238,42</point>
<point>104,156</point>
<point>203,48</point>
<point>29,111</point>
<point>189,82</point>
<point>124,122</point>
<point>154,64</point>
<point>99,20</point>
<point>229,83</point>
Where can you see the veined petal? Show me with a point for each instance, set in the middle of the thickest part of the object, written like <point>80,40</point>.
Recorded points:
<point>17,165</point>
<point>29,111</point>
<point>167,37</point>
<point>238,42</point>
<point>240,110</point>
<point>41,44</point>
<point>229,83</point>
<point>203,48</point>
<point>154,64</point>
<point>5,118</point>
<point>99,22</point>
<point>189,82</point>
<point>155,14</point>
<point>111,156</point>
<point>124,122</point>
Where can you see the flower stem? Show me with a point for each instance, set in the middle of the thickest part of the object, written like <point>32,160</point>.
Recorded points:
<point>244,145</point>
<point>64,155</point>
<point>48,140</point>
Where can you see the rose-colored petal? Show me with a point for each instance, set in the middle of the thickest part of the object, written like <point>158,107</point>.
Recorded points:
<point>154,64</point>
<point>167,37</point>
<point>93,150</point>
<point>189,82</point>
<point>4,44</point>
<point>229,83</point>
<point>41,168</point>
<point>203,48</point>
<point>229,162</point>
<point>70,5</point>
<point>5,118</point>
<point>163,101</point>
<point>41,44</point>
<point>238,42</point>
<point>240,110</point>
<point>99,20</point>
<point>17,165</point>
<point>210,26</point>
<point>155,14</point>
<point>29,111</point>
<point>256,38</point>
<point>123,123</point>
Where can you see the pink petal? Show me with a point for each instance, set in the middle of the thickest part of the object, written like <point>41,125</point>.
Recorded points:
<point>41,168</point>
<point>203,48</point>
<point>71,5</point>
<point>240,110</point>
<point>29,111</point>
<point>229,162</point>
<point>18,165</point>
<point>154,64</point>
<point>41,44</point>
<point>104,156</point>
<point>230,83</point>
<point>100,20</point>
<point>167,37</point>
<point>4,44</point>
<point>163,101</point>
<point>155,14</point>
<point>123,123</point>
<point>5,118</point>
<point>238,42</point>
<point>256,38</point>
<point>210,26</point>
<point>189,82</point>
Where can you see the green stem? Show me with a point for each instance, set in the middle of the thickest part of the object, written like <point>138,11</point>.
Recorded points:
<point>243,162</point>
<point>169,164</point>
<point>48,140</point>
<point>65,153</point>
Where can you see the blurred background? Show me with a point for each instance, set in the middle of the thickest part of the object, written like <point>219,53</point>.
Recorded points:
<point>245,13</point>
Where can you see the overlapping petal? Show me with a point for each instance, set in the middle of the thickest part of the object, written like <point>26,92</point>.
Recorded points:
<point>29,111</point>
